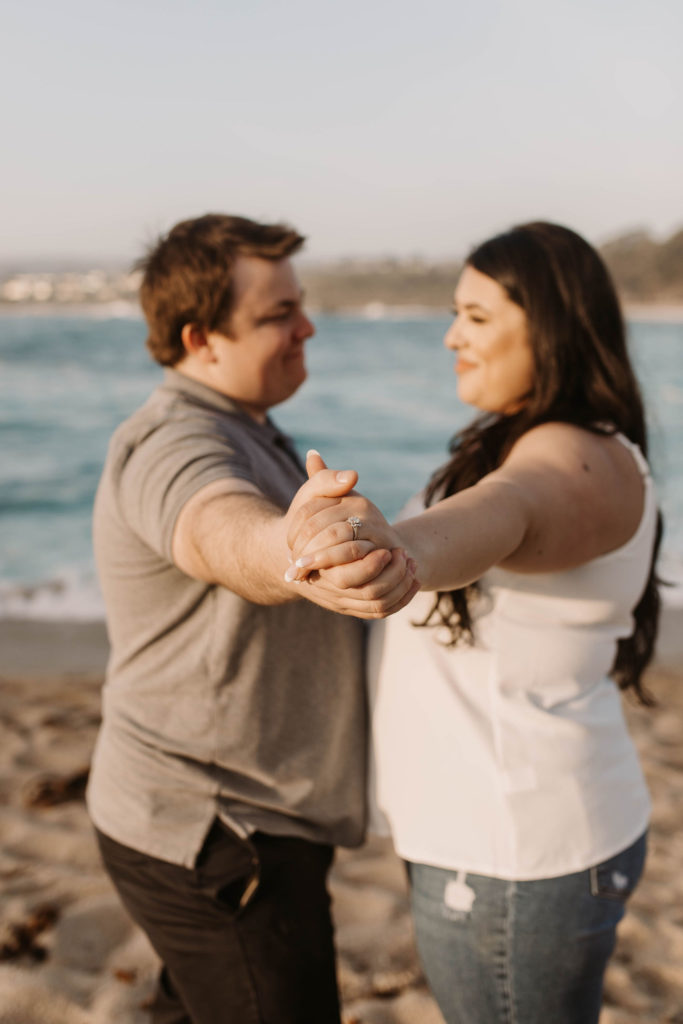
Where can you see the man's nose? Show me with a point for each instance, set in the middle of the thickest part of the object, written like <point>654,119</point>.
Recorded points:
<point>304,327</point>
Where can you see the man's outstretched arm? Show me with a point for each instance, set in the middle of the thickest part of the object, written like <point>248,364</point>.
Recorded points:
<point>229,534</point>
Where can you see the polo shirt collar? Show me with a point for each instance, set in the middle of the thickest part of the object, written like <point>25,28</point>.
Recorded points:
<point>204,395</point>
<point>179,382</point>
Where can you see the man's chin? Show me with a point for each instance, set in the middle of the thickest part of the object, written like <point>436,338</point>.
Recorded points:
<point>299,378</point>
<point>285,394</point>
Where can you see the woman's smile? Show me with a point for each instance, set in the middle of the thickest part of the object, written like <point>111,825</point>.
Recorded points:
<point>463,365</point>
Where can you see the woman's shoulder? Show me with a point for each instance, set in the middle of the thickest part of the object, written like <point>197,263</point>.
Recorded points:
<point>585,491</point>
<point>568,446</point>
<point>557,432</point>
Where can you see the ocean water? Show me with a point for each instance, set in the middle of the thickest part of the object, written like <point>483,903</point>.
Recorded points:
<point>380,398</point>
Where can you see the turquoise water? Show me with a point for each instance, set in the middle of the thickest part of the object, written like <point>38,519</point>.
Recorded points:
<point>380,399</point>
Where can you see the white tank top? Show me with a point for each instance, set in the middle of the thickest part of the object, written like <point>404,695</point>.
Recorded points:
<point>511,758</point>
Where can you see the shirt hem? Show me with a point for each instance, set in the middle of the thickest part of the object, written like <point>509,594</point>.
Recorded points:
<point>160,851</point>
<point>158,842</point>
<point>572,867</point>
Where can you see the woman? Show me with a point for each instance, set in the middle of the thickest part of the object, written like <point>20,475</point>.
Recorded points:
<point>503,763</point>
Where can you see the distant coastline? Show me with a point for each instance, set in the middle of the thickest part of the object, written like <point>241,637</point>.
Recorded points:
<point>660,311</point>
<point>105,309</point>
<point>648,275</point>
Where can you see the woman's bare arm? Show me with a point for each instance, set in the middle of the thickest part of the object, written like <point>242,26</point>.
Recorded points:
<point>563,497</point>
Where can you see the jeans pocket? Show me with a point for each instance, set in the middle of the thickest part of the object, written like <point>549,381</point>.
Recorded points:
<point>617,877</point>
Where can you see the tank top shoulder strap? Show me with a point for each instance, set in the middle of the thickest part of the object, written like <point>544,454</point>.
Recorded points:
<point>635,451</point>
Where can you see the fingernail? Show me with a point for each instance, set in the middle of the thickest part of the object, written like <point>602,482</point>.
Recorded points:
<point>344,477</point>
<point>304,561</point>
<point>412,565</point>
<point>291,574</point>
<point>312,451</point>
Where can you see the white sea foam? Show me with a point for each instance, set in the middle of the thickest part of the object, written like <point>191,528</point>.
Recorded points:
<point>75,597</point>
<point>71,597</point>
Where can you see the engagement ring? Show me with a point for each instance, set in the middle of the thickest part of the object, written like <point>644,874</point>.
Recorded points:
<point>355,523</point>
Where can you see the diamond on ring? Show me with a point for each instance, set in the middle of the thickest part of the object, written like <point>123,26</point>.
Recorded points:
<point>355,523</point>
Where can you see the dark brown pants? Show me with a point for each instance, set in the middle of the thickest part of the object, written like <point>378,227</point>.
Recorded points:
<point>245,936</point>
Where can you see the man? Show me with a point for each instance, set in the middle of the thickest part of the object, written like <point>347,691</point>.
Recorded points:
<point>231,756</point>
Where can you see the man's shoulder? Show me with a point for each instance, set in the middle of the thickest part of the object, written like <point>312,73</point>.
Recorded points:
<point>168,416</point>
<point>170,447</point>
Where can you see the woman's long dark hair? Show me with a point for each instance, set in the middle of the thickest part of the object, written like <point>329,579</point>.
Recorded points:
<point>582,375</point>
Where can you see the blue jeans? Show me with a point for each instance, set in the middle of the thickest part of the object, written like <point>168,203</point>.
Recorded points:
<point>501,952</point>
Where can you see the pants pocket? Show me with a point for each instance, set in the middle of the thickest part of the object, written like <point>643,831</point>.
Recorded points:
<point>228,868</point>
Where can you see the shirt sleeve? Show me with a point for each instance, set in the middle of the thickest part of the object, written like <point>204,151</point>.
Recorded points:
<point>166,468</point>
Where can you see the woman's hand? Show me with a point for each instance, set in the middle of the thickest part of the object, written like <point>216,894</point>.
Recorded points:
<point>321,531</point>
<point>369,577</point>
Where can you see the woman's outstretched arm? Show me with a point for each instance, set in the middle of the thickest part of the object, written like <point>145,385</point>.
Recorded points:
<point>562,497</point>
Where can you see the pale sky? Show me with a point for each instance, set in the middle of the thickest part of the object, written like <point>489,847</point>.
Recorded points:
<point>374,127</point>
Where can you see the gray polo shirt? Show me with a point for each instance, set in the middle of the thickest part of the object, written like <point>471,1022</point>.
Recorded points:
<point>213,705</point>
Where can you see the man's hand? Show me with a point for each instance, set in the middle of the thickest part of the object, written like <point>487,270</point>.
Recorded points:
<point>229,534</point>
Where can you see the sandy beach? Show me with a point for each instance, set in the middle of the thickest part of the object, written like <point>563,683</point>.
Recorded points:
<point>70,955</point>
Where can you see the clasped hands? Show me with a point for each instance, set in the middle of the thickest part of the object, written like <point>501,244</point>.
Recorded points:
<point>370,577</point>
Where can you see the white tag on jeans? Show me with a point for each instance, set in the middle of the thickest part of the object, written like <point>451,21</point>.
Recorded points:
<point>458,895</point>
<point>619,881</point>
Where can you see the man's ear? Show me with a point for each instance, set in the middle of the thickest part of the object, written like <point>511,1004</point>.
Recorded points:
<point>196,342</point>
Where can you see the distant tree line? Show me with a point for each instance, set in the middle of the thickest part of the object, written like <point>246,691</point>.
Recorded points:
<point>355,284</point>
<point>644,270</point>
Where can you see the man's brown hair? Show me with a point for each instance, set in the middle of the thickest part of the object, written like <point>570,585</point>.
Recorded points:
<point>187,275</point>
